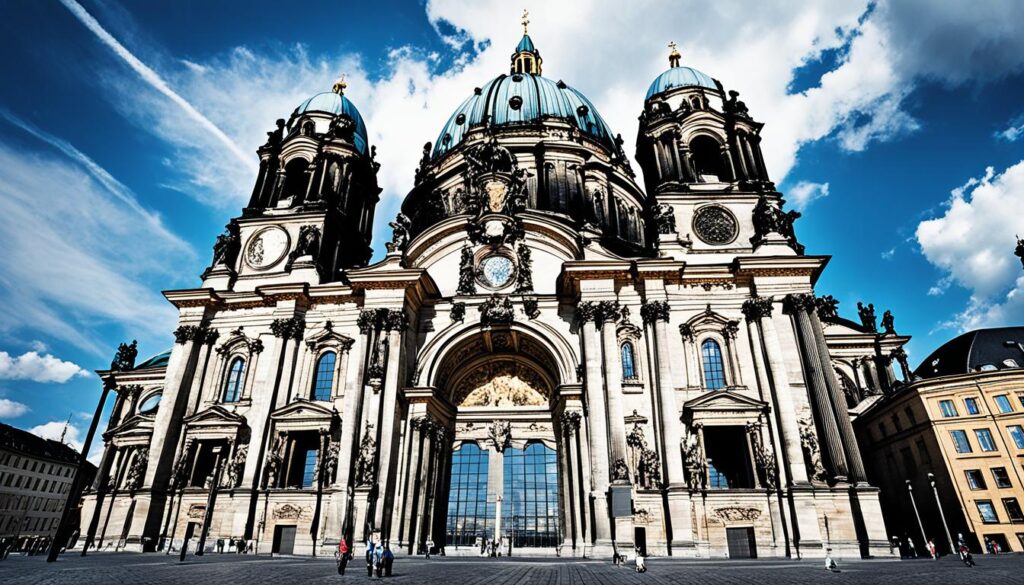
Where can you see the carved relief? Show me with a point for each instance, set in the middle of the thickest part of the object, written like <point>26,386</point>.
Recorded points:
<point>287,512</point>
<point>197,511</point>
<point>502,384</point>
<point>737,514</point>
<point>500,433</point>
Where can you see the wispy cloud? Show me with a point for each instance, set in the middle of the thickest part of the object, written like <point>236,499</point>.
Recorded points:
<point>12,409</point>
<point>38,368</point>
<point>1014,131</point>
<point>803,193</point>
<point>156,81</point>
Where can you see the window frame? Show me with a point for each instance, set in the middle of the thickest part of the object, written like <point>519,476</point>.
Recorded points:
<point>705,363</point>
<point>229,379</point>
<point>952,408</point>
<point>954,433</point>
<point>995,515</point>
<point>315,386</point>
<point>975,480</point>
<point>635,371</point>
<point>998,481</point>
<point>988,438</point>
<point>1009,515</point>
<point>971,405</point>
<point>1003,403</point>
<point>1016,433</point>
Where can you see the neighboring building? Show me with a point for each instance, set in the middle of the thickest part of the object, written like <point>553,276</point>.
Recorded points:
<point>548,354</point>
<point>35,475</point>
<point>962,419</point>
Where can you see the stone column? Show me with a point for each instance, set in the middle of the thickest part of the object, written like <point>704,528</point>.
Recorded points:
<point>352,416</point>
<point>799,307</point>
<point>583,479</point>
<point>656,316</point>
<point>428,465</point>
<point>608,313</point>
<point>407,534</point>
<point>394,327</point>
<point>839,410</point>
<point>570,424</point>
<point>597,419</point>
<point>731,331</point>
<point>758,311</point>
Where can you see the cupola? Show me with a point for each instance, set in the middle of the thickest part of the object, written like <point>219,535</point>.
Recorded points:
<point>526,59</point>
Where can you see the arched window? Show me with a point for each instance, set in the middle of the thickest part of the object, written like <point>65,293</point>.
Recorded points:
<point>323,382</point>
<point>706,153</point>
<point>714,370</point>
<point>628,362</point>
<point>236,376</point>
<point>296,179</point>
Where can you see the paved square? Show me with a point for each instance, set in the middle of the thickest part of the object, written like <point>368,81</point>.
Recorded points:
<point>159,569</point>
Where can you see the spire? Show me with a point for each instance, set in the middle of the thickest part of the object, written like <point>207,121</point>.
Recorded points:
<point>674,56</point>
<point>526,59</point>
<point>340,85</point>
<point>64,432</point>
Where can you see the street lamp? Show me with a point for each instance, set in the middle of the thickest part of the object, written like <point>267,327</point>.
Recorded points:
<point>913,503</point>
<point>935,490</point>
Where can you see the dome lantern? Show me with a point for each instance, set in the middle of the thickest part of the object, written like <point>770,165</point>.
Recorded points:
<point>526,59</point>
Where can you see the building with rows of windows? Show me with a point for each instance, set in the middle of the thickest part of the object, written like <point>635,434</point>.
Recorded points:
<point>35,476</point>
<point>550,355</point>
<point>961,425</point>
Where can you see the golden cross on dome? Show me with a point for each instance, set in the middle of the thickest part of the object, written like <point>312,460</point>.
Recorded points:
<point>340,85</point>
<point>674,56</point>
<point>526,20</point>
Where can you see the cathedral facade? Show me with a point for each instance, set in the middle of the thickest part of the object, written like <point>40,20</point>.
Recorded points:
<point>550,356</point>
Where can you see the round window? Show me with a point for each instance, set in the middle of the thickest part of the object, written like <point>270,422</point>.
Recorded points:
<point>150,404</point>
<point>496,271</point>
<point>715,225</point>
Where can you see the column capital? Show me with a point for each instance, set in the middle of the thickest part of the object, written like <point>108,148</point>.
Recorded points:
<point>586,311</point>
<point>758,308</point>
<point>381,318</point>
<point>571,421</point>
<point>291,328</point>
<point>652,311</point>
<point>799,302</point>
<point>199,333</point>
<point>607,312</point>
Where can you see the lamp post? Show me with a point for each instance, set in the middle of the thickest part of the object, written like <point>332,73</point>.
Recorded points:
<point>913,503</point>
<point>211,499</point>
<point>935,490</point>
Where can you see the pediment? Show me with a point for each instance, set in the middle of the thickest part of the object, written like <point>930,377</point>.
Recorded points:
<point>134,426</point>
<point>303,410</point>
<point>329,337</point>
<point>214,416</point>
<point>724,401</point>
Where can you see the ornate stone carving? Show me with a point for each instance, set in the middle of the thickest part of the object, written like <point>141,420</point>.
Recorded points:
<point>715,225</point>
<point>531,307</point>
<point>607,312</point>
<point>458,312</point>
<point>812,454</point>
<point>696,462</point>
<point>620,471</point>
<point>137,470</point>
<point>382,319</point>
<point>197,511</point>
<point>524,275</point>
<point>497,310</point>
<point>329,466</point>
<point>758,308</point>
<point>124,359</point>
<point>400,229</point>
<point>235,467</point>
<point>686,332</point>
<point>867,317</point>
<point>307,244</point>
<point>731,329</point>
<point>763,457</point>
<point>652,311</point>
<point>737,514</point>
<point>467,273</point>
<point>291,328</point>
<point>501,384</point>
<point>768,218</point>
<point>586,311</point>
<point>571,421</point>
<point>366,472</point>
<point>274,459</point>
<point>500,434</point>
<point>646,466</point>
<point>664,218</point>
<point>227,246</point>
<point>287,512</point>
<point>828,308</point>
<point>179,473</point>
<point>197,333</point>
<point>888,325</point>
<point>421,171</point>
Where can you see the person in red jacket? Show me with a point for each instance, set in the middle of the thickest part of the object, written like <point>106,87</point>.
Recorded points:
<point>342,556</point>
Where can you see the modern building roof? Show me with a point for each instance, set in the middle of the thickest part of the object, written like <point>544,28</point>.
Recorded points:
<point>520,99</point>
<point>976,351</point>
<point>35,446</point>
<point>680,77</point>
<point>334,103</point>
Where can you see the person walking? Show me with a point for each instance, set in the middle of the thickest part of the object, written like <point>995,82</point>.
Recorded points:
<point>931,550</point>
<point>342,556</point>
<point>911,550</point>
<point>430,546</point>
<point>388,558</point>
<point>378,560</point>
<point>830,563</point>
<point>641,565</point>
<point>369,558</point>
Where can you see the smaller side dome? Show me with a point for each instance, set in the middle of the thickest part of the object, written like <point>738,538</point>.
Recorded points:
<point>335,104</point>
<point>677,77</point>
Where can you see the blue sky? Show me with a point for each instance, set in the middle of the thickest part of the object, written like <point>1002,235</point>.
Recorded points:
<point>128,130</point>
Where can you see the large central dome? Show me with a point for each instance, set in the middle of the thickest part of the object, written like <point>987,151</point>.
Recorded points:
<point>523,99</point>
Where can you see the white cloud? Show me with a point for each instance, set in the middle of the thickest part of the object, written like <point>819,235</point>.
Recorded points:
<point>38,368</point>
<point>973,244</point>
<point>1013,132</point>
<point>803,193</point>
<point>12,409</point>
<point>39,346</point>
<point>72,437</point>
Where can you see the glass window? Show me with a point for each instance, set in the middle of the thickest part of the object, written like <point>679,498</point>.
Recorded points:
<point>470,516</point>
<point>323,382</point>
<point>1013,511</point>
<point>628,362</point>
<point>529,513</point>
<point>975,479</point>
<point>960,442</point>
<point>971,404</point>
<point>236,375</point>
<point>948,408</point>
<point>1017,434</point>
<point>150,404</point>
<point>714,370</point>
<point>309,468</point>
<point>985,440</point>
<point>1003,402</point>
<point>1002,478</point>
<point>987,512</point>
<point>1020,399</point>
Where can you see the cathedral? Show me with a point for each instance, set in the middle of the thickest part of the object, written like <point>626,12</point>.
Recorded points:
<point>552,356</point>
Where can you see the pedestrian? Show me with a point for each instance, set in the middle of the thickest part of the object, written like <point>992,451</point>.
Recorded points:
<point>911,550</point>
<point>931,549</point>
<point>895,544</point>
<point>641,565</point>
<point>378,560</point>
<point>369,558</point>
<point>342,556</point>
<point>965,555</point>
<point>830,563</point>
<point>389,560</point>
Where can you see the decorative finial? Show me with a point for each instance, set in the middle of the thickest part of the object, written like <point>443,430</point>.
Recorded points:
<point>674,56</point>
<point>526,20</point>
<point>340,85</point>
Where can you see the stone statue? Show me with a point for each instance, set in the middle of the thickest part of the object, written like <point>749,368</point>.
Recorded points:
<point>467,272</point>
<point>828,307</point>
<point>867,317</point>
<point>330,465</point>
<point>696,463</point>
<point>1019,251</point>
<point>227,246</point>
<point>125,357</point>
<point>137,471</point>
<point>342,127</point>
<point>399,233</point>
<point>424,165</point>
<point>620,471</point>
<point>274,460</point>
<point>237,466</point>
<point>376,369</point>
<point>276,137</point>
<point>665,218</point>
<point>308,242</point>
<point>365,472</point>
<point>180,471</point>
<point>887,323</point>
<point>497,310</point>
<point>768,217</point>
<point>812,454</point>
<point>524,276</point>
<point>500,433</point>
<point>490,157</point>
<point>373,159</point>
